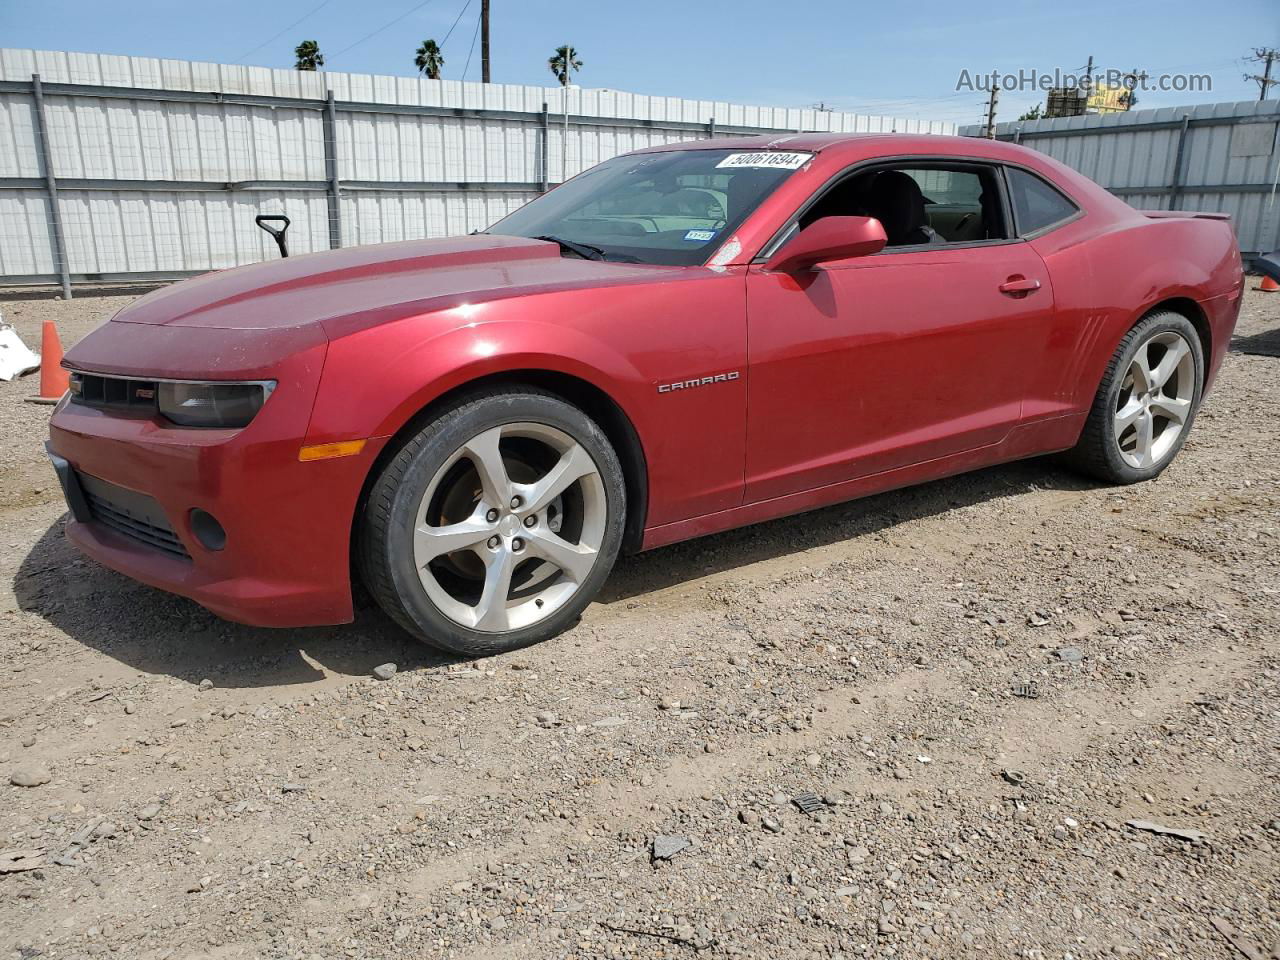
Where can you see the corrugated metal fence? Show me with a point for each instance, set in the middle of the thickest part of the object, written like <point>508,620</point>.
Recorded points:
<point>1210,157</point>
<point>156,168</point>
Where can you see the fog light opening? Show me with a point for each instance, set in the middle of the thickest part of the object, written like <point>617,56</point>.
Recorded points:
<point>208,530</point>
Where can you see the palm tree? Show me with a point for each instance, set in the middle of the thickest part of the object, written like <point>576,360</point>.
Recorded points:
<point>309,56</point>
<point>563,63</point>
<point>429,60</point>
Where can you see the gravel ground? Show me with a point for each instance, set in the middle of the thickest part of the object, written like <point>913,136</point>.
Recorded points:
<point>215,791</point>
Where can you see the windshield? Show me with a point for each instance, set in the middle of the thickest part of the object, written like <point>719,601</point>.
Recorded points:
<point>674,207</point>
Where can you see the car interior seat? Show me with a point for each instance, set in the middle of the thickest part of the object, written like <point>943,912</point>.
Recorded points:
<point>896,201</point>
<point>845,199</point>
<point>992,216</point>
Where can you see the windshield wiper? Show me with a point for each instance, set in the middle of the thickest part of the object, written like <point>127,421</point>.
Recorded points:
<point>584,250</point>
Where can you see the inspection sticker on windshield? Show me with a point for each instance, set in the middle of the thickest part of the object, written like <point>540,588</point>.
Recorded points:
<point>767,160</point>
<point>701,236</point>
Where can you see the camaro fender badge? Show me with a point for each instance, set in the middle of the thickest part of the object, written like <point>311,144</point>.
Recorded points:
<point>698,382</point>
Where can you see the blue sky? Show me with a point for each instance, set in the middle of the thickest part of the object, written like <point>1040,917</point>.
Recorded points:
<point>894,58</point>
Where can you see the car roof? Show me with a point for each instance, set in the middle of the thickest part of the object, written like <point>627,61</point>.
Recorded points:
<point>835,151</point>
<point>845,149</point>
<point>854,145</point>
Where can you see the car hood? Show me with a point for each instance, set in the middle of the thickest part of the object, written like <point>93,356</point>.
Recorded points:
<point>371,284</point>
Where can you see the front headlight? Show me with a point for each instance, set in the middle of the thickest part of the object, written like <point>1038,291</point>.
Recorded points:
<point>213,403</point>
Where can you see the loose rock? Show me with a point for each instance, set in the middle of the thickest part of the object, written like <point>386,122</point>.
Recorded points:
<point>29,776</point>
<point>665,847</point>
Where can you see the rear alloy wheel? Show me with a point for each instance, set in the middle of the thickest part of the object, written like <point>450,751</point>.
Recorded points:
<point>1155,399</point>
<point>495,525</point>
<point>1146,402</point>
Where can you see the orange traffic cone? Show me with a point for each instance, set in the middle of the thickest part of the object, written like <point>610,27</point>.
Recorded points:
<point>1268,285</point>
<point>54,380</point>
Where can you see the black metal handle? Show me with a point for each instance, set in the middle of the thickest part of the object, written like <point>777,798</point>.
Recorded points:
<point>263,219</point>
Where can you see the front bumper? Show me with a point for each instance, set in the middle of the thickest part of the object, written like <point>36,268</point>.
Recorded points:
<point>132,483</point>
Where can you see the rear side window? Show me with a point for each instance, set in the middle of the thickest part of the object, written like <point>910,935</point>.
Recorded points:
<point>1036,205</point>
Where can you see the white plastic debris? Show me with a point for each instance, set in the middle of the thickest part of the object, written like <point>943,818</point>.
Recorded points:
<point>16,360</point>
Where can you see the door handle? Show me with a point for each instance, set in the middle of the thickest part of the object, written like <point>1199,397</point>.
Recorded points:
<point>1019,286</point>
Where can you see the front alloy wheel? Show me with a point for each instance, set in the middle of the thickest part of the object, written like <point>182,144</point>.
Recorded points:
<point>511,527</point>
<point>494,526</point>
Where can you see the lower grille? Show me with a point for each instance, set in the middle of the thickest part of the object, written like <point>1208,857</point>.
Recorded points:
<point>131,514</point>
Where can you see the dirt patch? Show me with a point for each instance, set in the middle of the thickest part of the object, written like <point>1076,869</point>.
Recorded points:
<point>981,679</point>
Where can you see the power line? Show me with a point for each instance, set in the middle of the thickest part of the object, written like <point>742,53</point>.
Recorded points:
<point>465,6</point>
<point>872,106</point>
<point>390,23</point>
<point>1202,65</point>
<point>313,12</point>
<point>473,48</point>
<point>844,103</point>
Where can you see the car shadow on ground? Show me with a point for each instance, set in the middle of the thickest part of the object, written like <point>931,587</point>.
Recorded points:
<point>1264,344</point>
<point>158,633</point>
<point>658,569</point>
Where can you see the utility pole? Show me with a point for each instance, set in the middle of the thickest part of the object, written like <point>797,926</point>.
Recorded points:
<point>1266,56</point>
<point>484,41</point>
<point>1088,84</point>
<point>564,159</point>
<point>1134,77</point>
<point>991,111</point>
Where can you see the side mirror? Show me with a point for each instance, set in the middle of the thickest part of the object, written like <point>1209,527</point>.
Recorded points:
<point>831,238</point>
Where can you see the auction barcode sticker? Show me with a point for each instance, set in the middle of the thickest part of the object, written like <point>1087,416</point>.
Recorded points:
<point>767,159</point>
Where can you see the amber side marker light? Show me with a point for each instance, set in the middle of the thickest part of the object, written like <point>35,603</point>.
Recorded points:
<point>329,451</point>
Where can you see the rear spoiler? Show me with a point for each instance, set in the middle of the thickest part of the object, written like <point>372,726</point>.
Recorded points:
<point>1181,214</point>
<point>1267,264</point>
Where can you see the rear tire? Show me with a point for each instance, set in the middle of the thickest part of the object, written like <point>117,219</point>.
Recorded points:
<point>494,526</point>
<point>1146,403</point>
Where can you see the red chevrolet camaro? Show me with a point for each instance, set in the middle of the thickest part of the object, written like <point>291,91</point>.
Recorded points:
<point>676,342</point>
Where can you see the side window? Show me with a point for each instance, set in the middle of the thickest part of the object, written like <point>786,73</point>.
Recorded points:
<point>1036,205</point>
<point>952,187</point>
<point>921,204</point>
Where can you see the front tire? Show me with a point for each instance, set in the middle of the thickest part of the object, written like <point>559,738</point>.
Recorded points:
<point>494,525</point>
<point>1146,403</point>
